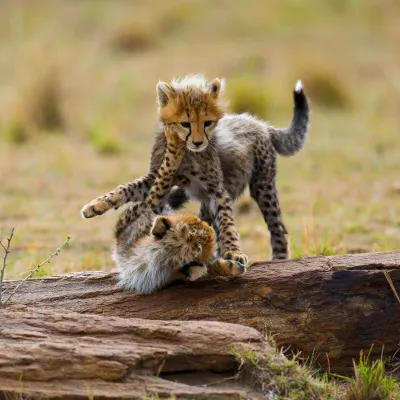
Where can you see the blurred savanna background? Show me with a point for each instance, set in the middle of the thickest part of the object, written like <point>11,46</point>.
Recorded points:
<point>78,112</point>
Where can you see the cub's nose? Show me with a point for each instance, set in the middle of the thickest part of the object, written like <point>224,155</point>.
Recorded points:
<point>197,144</point>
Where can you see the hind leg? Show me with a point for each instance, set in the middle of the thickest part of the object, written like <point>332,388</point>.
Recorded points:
<point>220,217</point>
<point>266,196</point>
<point>205,214</point>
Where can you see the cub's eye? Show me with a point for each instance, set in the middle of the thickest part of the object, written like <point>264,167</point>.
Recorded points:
<point>208,123</point>
<point>185,124</point>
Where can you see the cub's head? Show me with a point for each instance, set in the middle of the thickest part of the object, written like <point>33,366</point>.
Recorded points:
<point>192,107</point>
<point>186,234</point>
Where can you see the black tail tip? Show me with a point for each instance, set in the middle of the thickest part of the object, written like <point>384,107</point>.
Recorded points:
<point>300,98</point>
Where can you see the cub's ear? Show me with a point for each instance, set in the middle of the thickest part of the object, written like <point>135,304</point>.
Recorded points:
<point>160,227</point>
<point>215,87</point>
<point>164,93</point>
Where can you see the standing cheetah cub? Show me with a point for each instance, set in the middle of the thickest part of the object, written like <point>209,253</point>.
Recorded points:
<point>224,154</point>
<point>153,251</point>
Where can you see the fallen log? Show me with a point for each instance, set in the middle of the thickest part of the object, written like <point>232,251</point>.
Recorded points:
<point>327,307</point>
<point>49,355</point>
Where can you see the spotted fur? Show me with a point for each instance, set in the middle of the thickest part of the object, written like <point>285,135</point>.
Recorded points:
<point>226,152</point>
<point>153,251</point>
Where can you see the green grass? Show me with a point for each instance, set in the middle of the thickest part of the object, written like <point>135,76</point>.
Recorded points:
<point>315,243</point>
<point>370,381</point>
<point>247,95</point>
<point>16,132</point>
<point>103,141</point>
<point>337,195</point>
<point>287,379</point>
<point>275,375</point>
<point>43,272</point>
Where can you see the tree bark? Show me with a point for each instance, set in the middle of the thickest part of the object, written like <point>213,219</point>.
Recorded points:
<point>50,355</point>
<point>327,307</point>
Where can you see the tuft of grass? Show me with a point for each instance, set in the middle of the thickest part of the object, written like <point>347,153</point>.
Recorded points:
<point>134,36</point>
<point>177,16</point>
<point>42,103</point>
<point>272,373</point>
<point>326,89</point>
<point>42,273</point>
<point>16,132</point>
<point>247,95</point>
<point>281,378</point>
<point>252,64</point>
<point>370,381</point>
<point>38,108</point>
<point>314,244</point>
<point>103,141</point>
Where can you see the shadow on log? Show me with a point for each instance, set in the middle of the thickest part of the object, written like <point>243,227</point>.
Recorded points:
<point>330,307</point>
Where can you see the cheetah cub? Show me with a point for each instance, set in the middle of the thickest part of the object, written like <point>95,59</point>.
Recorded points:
<point>225,153</point>
<point>153,251</point>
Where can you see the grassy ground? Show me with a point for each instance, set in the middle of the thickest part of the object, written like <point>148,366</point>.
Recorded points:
<point>77,112</point>
<point>280,378</point>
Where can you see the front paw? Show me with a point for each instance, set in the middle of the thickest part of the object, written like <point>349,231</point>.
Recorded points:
<point>94,208</point>
<point>228,268</point>
<point>236,256</point>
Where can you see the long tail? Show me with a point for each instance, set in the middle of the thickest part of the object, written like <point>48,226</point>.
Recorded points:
<point>288,141</point>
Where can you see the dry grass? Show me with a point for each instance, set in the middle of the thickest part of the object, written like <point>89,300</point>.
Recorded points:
<point>134,36</point>
<point>37,108</point>
<point>104,101</point>
<point>391,284</point>
<point>326,88</point>
<point>281,378</point>
<point>246,95</point>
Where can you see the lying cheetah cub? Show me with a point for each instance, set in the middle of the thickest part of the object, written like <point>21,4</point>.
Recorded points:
<point>176,247</point>
<point>153,251</point>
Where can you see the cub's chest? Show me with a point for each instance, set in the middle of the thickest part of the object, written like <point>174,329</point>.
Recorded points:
<point>190,167</point>
<point>196,171</point>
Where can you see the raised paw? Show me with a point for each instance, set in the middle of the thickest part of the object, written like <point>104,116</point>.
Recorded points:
<point>236,256</point>
<point>223,267</point>
<point>96,207</point>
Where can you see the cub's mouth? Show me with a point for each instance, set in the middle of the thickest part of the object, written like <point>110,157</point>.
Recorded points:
<point>196,148</point>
